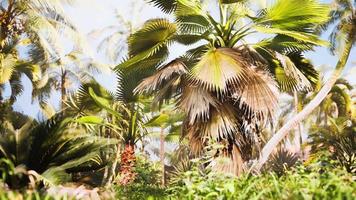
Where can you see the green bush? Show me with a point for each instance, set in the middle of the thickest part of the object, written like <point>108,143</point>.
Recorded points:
<point>146,184</point>
<point>299,183</point>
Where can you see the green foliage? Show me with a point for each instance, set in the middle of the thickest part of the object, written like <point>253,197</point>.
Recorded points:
<point>145,186</point>
<point>335,141</point>
<point>281,161</point>
<point>53,149</point>
<point>300,183</point>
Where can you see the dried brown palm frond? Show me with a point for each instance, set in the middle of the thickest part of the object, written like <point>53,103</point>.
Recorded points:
<point>196,142</point>
<point>258,96</point>
<point>167,81</point>
<point>196,102</point>
<point>229,161</point>
<point>223,123</point>
<point>226,70</point>
<point>166,73</point>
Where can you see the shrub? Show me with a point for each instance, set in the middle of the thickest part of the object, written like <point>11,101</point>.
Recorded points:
<point>146,184</point>
<point>299,183</point>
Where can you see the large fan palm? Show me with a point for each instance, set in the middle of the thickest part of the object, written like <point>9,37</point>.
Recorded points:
<point>344,37</point>
<point>227,87</point>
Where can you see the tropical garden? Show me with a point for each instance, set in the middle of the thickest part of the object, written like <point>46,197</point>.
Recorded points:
<point>178,99</point>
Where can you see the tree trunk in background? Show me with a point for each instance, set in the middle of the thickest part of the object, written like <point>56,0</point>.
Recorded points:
<point>63,89</point>
<point>161,154</point>
<point>299,130</point>
<point>278,137</point>
<point>128,159</point>
<point>112,173</point>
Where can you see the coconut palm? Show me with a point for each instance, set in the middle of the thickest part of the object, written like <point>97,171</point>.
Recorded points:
<point>343,38</point>
<point>38,28</point>
<point>11,70</point>
<point>227,88</point>
<point>338,102</point>
<point>65,75</point>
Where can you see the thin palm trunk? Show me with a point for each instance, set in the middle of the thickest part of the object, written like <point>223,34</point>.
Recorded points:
<point>299,129</point>
<point>283,132</point>
<point>63,89</point>
<point>161,153</point>
<point>128,160</point>
<point>113,167</point>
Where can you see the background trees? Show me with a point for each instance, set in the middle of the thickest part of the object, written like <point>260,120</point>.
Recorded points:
<point>344,16</point>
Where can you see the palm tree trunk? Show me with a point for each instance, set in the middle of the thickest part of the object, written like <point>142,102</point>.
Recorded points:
<point>299,130</point>
<point>273,142</point>
<point>112,174</point>
<point>128,160</point>
<point>63,89</point>
<point>161,153</point>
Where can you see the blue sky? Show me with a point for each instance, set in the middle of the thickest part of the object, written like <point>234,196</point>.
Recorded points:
<point>89,15</point>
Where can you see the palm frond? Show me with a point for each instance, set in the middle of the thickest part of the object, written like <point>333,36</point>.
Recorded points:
<point>196,102</point>
<point>290,19</point>
<point>167,6</point>
<point>149,41</point>
<point>290,78</point>
<point>164,75</point>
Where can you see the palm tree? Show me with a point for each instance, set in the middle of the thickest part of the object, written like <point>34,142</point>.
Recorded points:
<point>11,70</point>
<point>225,86</point>
<point>65,74</point>
<point>54,149</point>
<point>124,118</point>
<point>343,36</point>
<point>38,28</point>
<point>338,103</point>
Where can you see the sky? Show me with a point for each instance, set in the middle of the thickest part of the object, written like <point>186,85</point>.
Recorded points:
<point>91,15</point>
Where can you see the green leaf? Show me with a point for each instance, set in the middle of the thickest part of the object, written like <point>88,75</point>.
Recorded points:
<point>300,36</point>
<point>158,121</point>
<point>154,37</point>
<point>188,39</point>
<point>167,6</point>
<point>90,120</point>
<point>295,14</point>
<point>217,67</point>
<point>103,103</point>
